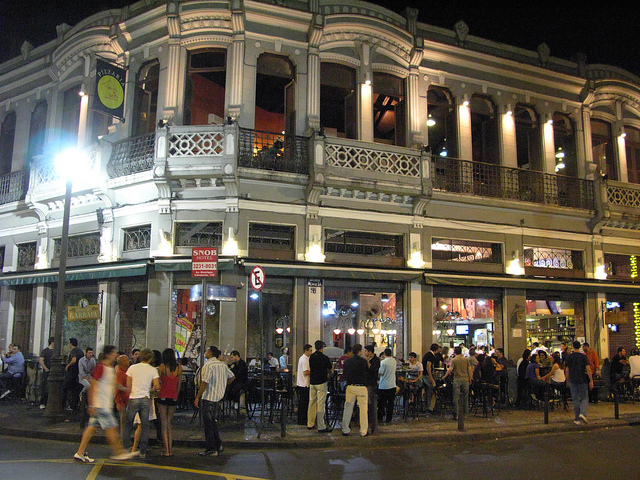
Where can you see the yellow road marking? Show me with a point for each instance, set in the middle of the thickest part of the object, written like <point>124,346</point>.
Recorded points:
<point>95,470</point>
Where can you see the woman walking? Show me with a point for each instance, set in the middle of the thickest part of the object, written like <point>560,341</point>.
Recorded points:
<point>170,377</point>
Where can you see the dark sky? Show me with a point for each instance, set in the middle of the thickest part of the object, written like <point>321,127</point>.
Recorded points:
<point>607,33</point>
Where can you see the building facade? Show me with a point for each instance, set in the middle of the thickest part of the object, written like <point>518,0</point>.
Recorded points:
<point>397,182</point>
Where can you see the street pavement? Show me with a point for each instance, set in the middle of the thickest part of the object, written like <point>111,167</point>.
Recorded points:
<point>22,419</point>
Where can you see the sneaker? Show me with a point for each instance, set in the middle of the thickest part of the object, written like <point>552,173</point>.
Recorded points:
<point>83,458</point>
<point>42,407</point>
<point>583,418</point>
<point>209,453</point>
<point>577,422</point>
<point>142,455</point>
<point>326,430</point>
<point>125,456</point>
<point>5,393</point>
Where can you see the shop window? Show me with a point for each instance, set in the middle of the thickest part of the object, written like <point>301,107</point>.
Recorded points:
<point>7,138</point>
<point>528,140</point>
<point>564,140</point>
<point>137,238</point>
<point>22,314</point>
<point>484,130</point>
<point>632,146</point>
<point>553,262</point>
<point>338,100</point>
<point>145,99</point>
<point>466,319</point>
<point>79,246</point>
<point>602,148</point>
<point>341,245</point>
<point>363,314</point>
<point>27,255</point>
<point>199,234</point>
<point>37,129</point>
<point>552,321</point>
<point>464,251</point>
<point>71,115</point>
<point>442,122</point>
<point>621,267</point>
<point>205,87</point>
<point>389,109</point>
<point>275,94</point>
<point>273,242</point>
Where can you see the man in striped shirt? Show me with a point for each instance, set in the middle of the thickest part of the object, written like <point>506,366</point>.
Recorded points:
<point>215,376</point>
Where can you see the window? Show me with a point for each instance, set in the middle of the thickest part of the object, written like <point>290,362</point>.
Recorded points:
<point>27,255</point>
<point>80,246</point>
<point>632,145</point>
<point>528,140</point>
<point>621,267</point>
<point>555,260</point>
<point>347,246</point>
<point>464,251</point>
<point>274,242</point>
<point>145,100</point>
<point>37,129</point>
<point>137,238</point>
<point>2,248</point>
<point>389,109</point>
<point>442,122</point>
<point>484,130</point>
<point>602,148</point>
<point>199,234</point>
<point>275,94</point>
<point>564,139</point>
<point>338,100</point>
<point>205,87</point>
<point>7,137</point>
<point>71,115</point>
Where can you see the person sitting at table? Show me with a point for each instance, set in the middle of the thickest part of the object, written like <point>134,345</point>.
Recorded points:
<point>271,361</point>
<point>522,365</point>
<point>533,377</point>
<point>543,358</point>
<point>240,370</point>
<point>634,366</point>
<point>556,377</point>
<point>619,374</point>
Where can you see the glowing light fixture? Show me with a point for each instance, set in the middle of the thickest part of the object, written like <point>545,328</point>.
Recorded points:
<point>230,247</point>
<point>351,331</point>
<point>430,121</point>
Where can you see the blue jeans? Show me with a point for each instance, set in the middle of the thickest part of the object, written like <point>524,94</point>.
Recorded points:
<point>141,406</point>
<point>211,435</point>
<point>580,398</point>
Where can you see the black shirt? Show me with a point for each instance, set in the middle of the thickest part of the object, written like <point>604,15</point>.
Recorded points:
<point>240,371</point>
<point>428,357</point>
<point>577,364</point>
<point>46,355</point>
<point>319,366</point>
<point>374,366</point>
<point>617,367</point>
<point>356,370</point>
<point>75,368</point>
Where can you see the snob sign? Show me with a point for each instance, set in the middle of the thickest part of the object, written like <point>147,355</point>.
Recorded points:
<point>204,262</point>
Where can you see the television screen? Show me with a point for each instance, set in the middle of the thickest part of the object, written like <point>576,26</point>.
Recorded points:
<point>462,329</point>
<point>611,305</point>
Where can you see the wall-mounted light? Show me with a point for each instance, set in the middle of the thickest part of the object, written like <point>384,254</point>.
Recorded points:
<point>314,251</point>
<point>354,300</point>
<point>430,121</point>
<point>385,298</point>
<point>254,295</point>
<point>450,331</point>
<point>351,331</point>
<point>443,151</point>
<point>162,123</point>
<point>415,260</point>
<point>83,90</point>
<point>465,101</point>
<point>230,247</point>
<point>375,330</point>
<point>514,267</point>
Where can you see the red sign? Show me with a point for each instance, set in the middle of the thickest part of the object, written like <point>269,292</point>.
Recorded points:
<point>257,278</point>
<point>204,262</point>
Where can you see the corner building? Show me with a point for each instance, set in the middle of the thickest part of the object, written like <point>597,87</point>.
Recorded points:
<point>397,182</point>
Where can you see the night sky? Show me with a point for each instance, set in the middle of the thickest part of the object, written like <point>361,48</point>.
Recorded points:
<point>608,33</point>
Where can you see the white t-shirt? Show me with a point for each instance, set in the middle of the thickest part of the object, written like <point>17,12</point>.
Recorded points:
<point>142,375</point>
<point>302,380</point>
<point>105,386</point>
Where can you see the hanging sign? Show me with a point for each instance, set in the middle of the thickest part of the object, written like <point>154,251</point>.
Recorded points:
<point>110,85</point>
<point>83,311</point>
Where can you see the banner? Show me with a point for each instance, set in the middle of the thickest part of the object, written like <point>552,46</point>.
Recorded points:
<point>110,85</point>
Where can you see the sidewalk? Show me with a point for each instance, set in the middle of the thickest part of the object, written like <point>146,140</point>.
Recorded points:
<point>25,420</point>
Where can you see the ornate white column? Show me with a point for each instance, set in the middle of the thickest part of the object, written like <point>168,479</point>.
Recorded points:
<point>172,73</point>
<point>313,75</point>
<point>416,103</point>
<point>235,61</point>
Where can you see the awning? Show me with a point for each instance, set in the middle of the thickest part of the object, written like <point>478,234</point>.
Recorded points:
<point>93,272</point>
<point>530,283</point>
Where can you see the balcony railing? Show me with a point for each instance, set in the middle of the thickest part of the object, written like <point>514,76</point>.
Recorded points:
<point>623,194</point>
<point>382,159</point>
<point>273,151</point>
<point>13,187</point>
<point>132,155</point>
<point>487,180</point>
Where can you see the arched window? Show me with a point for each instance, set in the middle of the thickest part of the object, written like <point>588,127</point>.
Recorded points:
<point>275,94</point>
<point>71,115</point>
<point>442,122</point>
<point>632,144</point>
<point>206,87</point>
<point>564,140</point>
<point>338,100</point>
<point>7,137</point>
<point>484,130</point>
<point>528,140</point>
<point>389,109</point>
<point>602,148</point>
<point>37,129</point>
<point>145,99</point>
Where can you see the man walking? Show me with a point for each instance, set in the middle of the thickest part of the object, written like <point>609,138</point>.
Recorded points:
<point>579,377</point>
<point>387,388</point>
<point>142,379</point>
<point>101,393</point>
<point>215,376</point>
<point>356,371</point>
<point>302,384</point>
<point>319,370</point>
<point>45,362</point>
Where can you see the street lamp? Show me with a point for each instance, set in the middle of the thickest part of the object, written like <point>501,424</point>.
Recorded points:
<point>69,164</point>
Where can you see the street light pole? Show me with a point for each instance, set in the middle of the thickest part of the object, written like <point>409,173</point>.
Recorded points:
<point>56,377</point>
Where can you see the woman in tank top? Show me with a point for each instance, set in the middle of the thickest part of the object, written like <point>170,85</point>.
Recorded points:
<point>170,377</point>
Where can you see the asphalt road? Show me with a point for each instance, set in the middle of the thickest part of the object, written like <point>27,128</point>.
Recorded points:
<point>607,453</point>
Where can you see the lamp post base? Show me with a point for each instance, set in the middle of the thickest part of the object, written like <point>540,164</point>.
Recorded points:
<point>56,379</point>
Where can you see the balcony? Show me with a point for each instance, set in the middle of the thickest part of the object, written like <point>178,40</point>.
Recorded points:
<point>273,151</point>
<point>13,187</point>
<point>495,181</point>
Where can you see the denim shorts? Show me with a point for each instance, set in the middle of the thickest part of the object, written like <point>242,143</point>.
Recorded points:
<point>103,418</point>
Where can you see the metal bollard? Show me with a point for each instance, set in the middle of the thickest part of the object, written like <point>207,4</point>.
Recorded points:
<point>616,401</point>
<point>546,404</point>
<point>461,411</point>
<point>283,416</point>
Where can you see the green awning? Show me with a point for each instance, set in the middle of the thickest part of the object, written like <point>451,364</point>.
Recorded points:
<point>93,272</point>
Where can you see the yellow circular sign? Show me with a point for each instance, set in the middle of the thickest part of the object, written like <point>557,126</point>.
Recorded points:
<point>110,92</point>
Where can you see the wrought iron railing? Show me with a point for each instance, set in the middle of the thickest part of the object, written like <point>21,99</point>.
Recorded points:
<point>487,180</point>
<point>273,151</point>
<point>79,246</point>
<point>137,238</point>
<point>132,155</point>
<point>13,187</point>
<point>27,253</point>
